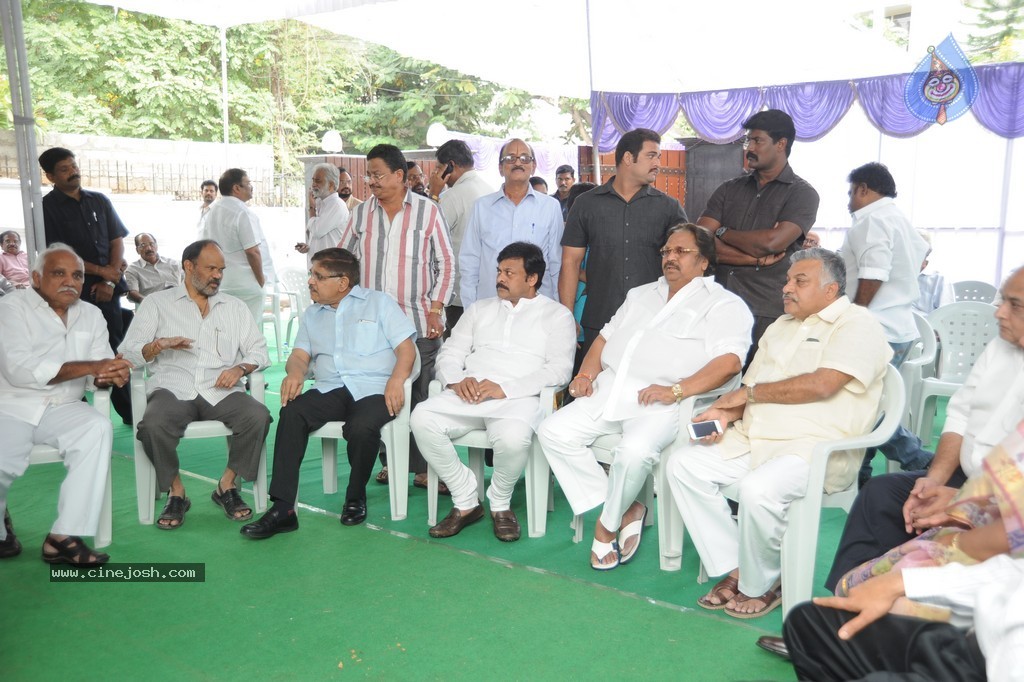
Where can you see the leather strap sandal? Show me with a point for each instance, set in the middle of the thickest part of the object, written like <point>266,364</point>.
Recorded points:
<point>724,591</point>
<point>772,600</point>
<point>71,550</point>
<point>232,503</point>
<point>174,510</point>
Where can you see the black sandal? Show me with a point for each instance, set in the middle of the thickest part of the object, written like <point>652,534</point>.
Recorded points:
<point>232,503</point>
<point>72,550</point>
<point>174,510</point>
<point>10,547</point>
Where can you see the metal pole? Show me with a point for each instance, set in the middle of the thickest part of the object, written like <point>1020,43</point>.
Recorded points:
<point>24,125</point>
<point>593,132</point>
<point>1004,204</point>
<point>224,84</point>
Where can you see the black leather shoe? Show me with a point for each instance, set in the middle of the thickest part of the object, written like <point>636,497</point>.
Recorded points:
<point>506,525</point>
<point>775,645</point>
<point>455,522</point>
<point>353,513</point>
<point>275,521</point>
<point>11,547</point>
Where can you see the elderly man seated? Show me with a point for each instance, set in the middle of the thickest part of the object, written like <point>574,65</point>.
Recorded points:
<point>501,354</point>
<point>13,261</point>
<point>52,344</point>
<point>198,345</point>
<point>679,336</point>
<point>816,376</point>
<point>359,345</point>
<point>152,272</point>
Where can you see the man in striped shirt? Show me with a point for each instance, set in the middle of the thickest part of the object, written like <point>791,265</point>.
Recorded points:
<point>404,248</point>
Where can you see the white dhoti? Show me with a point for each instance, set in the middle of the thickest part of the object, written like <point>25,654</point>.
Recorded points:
<point>84,437</point>
<point>696,475</point>
<point>438,420</point>
<point>566,437</point>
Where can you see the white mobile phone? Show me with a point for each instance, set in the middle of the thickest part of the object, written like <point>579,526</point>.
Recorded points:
<point>699,430</point>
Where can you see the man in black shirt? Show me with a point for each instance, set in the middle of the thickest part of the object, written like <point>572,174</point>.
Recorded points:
<point>86,221</point>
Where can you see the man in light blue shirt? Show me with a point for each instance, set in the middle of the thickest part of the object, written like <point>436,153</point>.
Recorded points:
<point>359,345</point>
<point>515,213</point>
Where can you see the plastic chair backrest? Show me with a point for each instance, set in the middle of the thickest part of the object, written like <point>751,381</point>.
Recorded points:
<point>964,329</point>
<point>973,290</point>
<point>297,282</point>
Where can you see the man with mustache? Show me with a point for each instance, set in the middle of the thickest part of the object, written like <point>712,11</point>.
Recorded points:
<point>623,223</point>
<point>817,376</point>
<point>761,217</point>
<point>209,190</point>
<point>514,213</point>
<point>198,344</point>
<point>415,179</point>
<point>565,178</point>
<point>402,243</point>
<point>52,344</point>
<point>500,356</point>
<point>677,337</point>
<point>152,272</point>
<point>14,261</point>
<point>328,214</point>
<point>87,222</point>
<point>345,190</point>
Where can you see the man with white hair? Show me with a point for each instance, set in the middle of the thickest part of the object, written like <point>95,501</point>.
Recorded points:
<point>52,344</point>
<point>328,214</point>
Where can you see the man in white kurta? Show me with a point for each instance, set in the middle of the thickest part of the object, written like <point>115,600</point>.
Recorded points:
<point>677,337</point>
<point>53,343</point>
<point>328,214</point>
<point>500,356</point>
<point>816,376</point>
<point>236,230</point>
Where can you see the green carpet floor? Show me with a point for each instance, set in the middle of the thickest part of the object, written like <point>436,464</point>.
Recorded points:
<point>379,601</point>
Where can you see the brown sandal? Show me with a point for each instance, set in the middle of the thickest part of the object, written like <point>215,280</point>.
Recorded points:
<point>730,583</point>
<point>72,550</point>
<point>772,600</point>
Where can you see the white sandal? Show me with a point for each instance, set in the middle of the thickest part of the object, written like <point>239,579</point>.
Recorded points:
<point>634,528</point>
<point>602,550</point>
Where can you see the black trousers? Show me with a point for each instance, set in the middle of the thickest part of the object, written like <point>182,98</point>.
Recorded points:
<point>113,314</point>
<point>311,410</point>
<point>875,524</point>
<point>891,648</point>
<point>428,349</point>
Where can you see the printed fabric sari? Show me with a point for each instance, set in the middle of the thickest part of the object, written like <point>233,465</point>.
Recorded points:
<point>993,495</point>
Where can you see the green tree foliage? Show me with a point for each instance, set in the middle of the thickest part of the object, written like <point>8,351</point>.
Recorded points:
<point>998,30</point>
<point>100,71</point>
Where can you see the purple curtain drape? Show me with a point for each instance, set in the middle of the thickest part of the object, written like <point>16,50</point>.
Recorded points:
<point>816,108</point>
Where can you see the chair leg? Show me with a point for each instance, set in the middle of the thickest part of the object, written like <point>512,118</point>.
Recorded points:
<point>397,440</point>
<point>259,486</point>
<point>476,465</point>
<point>538,491</point>
<point>577,528</point>
<point>431,496</point>
<point>145,486</point>
<point>670,526</point>
<point>103,533</point>
<point>329,465</point>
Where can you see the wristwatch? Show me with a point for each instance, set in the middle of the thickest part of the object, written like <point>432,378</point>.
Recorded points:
<point>111,285</point>
<point>721,231</point>
<point>677,391</point>
<point>750,393</point>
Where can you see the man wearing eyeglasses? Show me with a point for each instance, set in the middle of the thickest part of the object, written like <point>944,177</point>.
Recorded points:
<point>359,346</point>
<point>761,217</point>
<point>515,213</point>
<point>680,336</point>
<point>623,223</point>
<point>152,272</point>
<point>236,230</point>
<point>404,250</point>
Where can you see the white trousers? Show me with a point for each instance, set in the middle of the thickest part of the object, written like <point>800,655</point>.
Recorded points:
<point>696,476</point>
<point>566,437</point>
<point>84,437</point>
<point>509,438</point>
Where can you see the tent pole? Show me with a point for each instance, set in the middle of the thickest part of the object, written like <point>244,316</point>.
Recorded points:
<point>224,83</point>
<point>1004,204</point>
<point>24,125</point>
<point>593,132</point>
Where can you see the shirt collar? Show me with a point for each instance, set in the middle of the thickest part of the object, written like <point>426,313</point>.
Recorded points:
<point>833,310</point>
<point>785,176</point>
<point>523,302</point>
<point>872,207</point>
<point>695,283</point>
<point>181,292</point>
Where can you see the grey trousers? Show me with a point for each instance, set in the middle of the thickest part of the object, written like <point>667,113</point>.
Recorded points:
<point>166,419</point>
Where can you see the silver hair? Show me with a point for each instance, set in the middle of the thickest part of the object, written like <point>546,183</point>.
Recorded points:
<point>833,269</point>
<point>54,248</point>
<point>330,172</point>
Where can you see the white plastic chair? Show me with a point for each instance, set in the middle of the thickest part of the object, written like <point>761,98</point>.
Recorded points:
<point>539,493</point>
<point>965,329</point>
<point>670,523</point>
<point>395,435</point>
<point>919,365</point>
<point>295,285</point>
<point>271,309</point>
<point>44,454</point>
<point>972,290</point>
<point>145,473</point>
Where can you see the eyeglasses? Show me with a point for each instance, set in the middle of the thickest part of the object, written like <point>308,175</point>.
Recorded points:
<point>376,177</point>
<point>678,251</point>
<point>521,158</point>
<point>318,277</point>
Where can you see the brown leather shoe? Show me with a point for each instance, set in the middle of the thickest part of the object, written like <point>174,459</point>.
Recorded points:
<point>506,525</point>
<point>775,645</point>
<point>455,522</point>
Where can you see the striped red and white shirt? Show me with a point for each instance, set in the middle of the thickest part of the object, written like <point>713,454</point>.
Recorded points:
<point>409,258</point>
